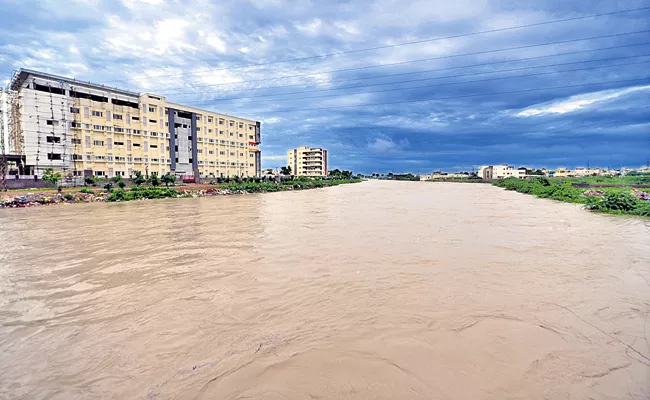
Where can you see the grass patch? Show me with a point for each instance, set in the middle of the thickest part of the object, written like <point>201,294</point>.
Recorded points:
<point>613,200</point>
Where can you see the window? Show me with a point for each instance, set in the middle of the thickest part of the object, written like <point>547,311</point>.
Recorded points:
<point>117,116</point>
<point>231,134</point>
<point>98,127</point>
<point>53,156</point>
<point>98,142</point>
<point>100,173</point>
<point>108,129</point>
<point>221,122</point>
<point>252,155</point>
<point>135,118</point>
<point>211,152</point>
<point>128,130</point>
<point>136,144</point>
<point>241,154</point>
<point>152,109</point>
<point>241,125</point>
<point>118,130</point>
<point>251,137</point>
<point>231,123</point>
<point>154,146</point>
<point>118,143</point>
<point>53,139</point>
<point>77,157</point>
<point>74,124</point>
<point>222,153</point>
<point>76,141</point>
<point>153,121</point>
<point>52,122</point>
<point>97,114</point>
<point>209,130</point>
<point>74,110</point>
<point>221,132</point>
<point>241,135</point>
<point>232,154</point>
<point>87,141</point>
<point>209,120</point>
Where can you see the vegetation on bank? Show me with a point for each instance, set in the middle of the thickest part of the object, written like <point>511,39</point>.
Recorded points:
<point>610,200</point>
<point>236,186</point>
<point>248,186</point>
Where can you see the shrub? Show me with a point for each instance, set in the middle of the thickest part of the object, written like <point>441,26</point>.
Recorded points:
<point>138,179</point>
<point>154,180</point>
<point>68,196</point>
<point>168,178</point>
<point>86,190</point>
<point>121,184</point>
<point>90,180</point>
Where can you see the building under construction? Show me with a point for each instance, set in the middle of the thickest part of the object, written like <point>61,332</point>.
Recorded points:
<point>84,129</point>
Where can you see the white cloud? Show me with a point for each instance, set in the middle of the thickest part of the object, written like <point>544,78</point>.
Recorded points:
<point>311,27</point>
<point>216,43</point>
<point>578,102</point>
<point>384,144</point>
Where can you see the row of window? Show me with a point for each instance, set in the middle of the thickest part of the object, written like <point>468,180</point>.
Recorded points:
<point>152,109</point>
<point>117,129</point>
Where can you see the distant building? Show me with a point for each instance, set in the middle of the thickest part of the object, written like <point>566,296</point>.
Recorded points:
<point>270,172</point>
<point>307,161</point>
<point>503,171</point>
<point>563,173</point>
<point>486,172</point>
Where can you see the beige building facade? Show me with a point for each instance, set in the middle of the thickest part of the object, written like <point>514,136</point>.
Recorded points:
<point>307,161</point>
<point>84,129</point>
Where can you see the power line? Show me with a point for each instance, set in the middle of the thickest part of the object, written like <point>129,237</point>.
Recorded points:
<point>439,77</point>
<point>423,60</point>
<point>408,43</point>
<point>424,71</point>
<point>461,97</point>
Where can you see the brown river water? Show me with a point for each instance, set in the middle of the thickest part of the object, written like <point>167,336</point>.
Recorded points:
<point>377,290</point>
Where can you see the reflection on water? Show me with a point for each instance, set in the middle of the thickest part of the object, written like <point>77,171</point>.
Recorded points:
<point>375,290</point>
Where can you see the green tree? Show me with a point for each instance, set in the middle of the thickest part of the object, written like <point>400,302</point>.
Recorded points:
<point>168,178</point>
<point>286,171</point>
<point>121,184</point>
<point>154,180</point>
<point>51,177</point>
<point>138,178</point>
<point>90,180</point>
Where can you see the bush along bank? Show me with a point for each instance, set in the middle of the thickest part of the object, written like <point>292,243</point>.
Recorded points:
<point>87,195</point>
<point>610,200</point>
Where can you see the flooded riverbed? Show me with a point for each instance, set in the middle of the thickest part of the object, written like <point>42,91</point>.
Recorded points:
<point>378,290</point>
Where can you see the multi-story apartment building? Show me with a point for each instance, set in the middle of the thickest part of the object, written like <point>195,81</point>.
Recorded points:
<point>85,129</point>
<point>307,161</point>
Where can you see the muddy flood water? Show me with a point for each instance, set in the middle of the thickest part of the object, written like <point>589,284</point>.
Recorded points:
<point>377,290</point>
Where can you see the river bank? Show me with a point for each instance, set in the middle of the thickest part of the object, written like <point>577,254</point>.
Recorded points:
<point>22,199</point>
<point>619,199</point>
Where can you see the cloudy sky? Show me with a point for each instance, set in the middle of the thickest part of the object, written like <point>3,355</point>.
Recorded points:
<point>384,85</point>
